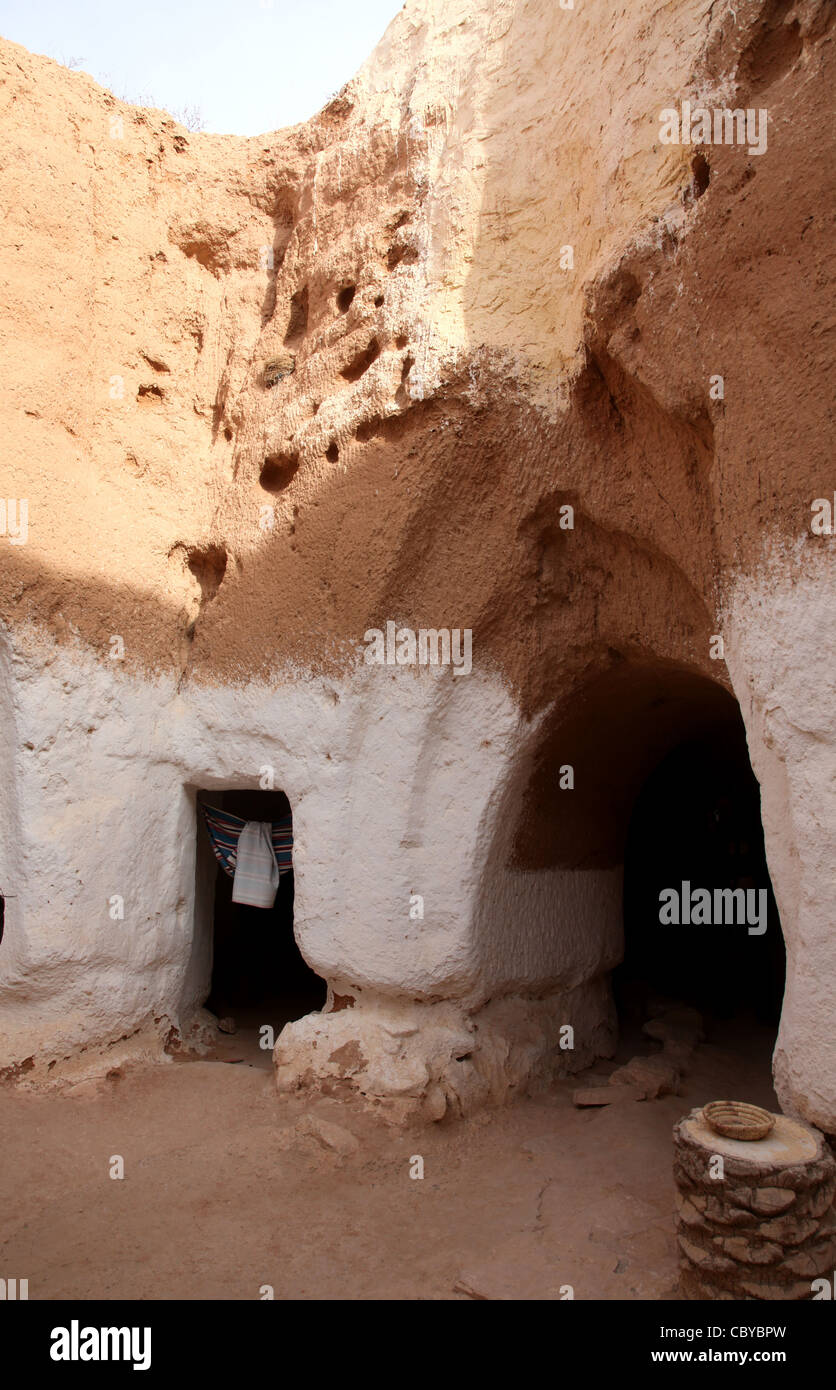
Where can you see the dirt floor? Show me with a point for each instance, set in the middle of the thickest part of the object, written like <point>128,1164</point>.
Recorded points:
<point>224,1192</point>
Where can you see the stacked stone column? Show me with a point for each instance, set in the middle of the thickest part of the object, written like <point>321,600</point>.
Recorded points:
<point>766,1228</point>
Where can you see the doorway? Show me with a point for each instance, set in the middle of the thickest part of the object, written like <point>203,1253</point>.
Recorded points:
<point>640,781</point>
<point>258,976</point>
<point>696,821</point>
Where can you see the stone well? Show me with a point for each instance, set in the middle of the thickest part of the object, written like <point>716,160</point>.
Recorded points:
<point>762,1224</point>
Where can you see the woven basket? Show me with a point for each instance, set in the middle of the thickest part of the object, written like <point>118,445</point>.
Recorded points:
<point>735,1119</point>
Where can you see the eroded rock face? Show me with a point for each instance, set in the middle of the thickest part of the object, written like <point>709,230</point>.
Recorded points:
<point>262,396</point>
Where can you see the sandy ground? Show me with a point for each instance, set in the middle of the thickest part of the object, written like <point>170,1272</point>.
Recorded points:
<point>222,1194</point>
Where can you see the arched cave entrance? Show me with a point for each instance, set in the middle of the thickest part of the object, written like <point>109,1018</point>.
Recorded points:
<point>258,974</point>
<point>641,784</point>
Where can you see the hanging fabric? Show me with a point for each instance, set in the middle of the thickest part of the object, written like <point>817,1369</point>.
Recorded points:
<point>256,871</point>
<point>224,831</point>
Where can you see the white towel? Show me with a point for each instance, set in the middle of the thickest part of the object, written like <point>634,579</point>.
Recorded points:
<point>256,871</point>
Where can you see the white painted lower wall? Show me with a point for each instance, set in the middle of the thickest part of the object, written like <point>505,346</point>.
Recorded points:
<point>781,640</point>
<point>402,782</point>
<point>389,791</point>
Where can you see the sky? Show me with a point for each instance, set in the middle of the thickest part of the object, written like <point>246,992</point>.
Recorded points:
<point>247,66</point>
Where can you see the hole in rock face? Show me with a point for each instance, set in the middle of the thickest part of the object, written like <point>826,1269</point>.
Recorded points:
<point>227,433</point>
<point>297,325</point>
<point>345,298</point>
<point>402,394</point>
<point>401,252</point>
<point>212,256</point>
<point>361,363</point>
<point>208,567</point>
<point>277,471</point>
<point>152,394</point>
<point>156,364</point>
<point>378,301</point>
<point>332,453</point>
<point>259,976</point>
<point>702,174</point>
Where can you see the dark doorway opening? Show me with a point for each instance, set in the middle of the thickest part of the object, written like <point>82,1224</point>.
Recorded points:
<point>259,976</point>
<point>697,821</point>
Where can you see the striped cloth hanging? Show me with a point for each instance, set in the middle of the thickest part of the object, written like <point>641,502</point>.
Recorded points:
<point>224,830</point>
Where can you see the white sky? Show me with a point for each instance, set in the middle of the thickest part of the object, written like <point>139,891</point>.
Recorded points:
<point>249,66</point>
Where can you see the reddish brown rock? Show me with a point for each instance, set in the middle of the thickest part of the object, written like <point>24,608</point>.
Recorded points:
<point>652,1076</point>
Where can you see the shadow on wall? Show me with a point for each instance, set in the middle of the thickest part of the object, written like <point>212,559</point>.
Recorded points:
<point>612,733</point>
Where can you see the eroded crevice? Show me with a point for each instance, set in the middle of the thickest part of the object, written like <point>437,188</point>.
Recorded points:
<point>297,324</point>
<point>277,471</point>
<point>345,298</point>
<point>773,50</point>
<point>402,398</point>
<point>208,244</point>
<point>361,362</point>
<point>700,176</point>
<point>155,363</point>
<point>401,253</point>
<point>208,565</point>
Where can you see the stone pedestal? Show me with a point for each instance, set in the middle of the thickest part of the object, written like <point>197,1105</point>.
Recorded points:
<point>762,1224</point>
